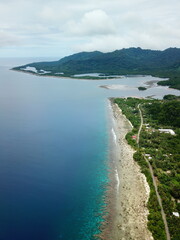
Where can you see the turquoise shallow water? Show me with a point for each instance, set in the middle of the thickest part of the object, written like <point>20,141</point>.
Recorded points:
<point>54,142</point>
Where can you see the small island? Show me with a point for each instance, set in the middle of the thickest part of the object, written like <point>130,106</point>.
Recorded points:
<point>142,88</point>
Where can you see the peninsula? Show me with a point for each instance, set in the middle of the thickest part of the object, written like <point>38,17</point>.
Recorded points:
<point>98,65</point>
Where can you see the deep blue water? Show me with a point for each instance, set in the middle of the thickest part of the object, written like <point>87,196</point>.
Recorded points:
<point>54,153</point>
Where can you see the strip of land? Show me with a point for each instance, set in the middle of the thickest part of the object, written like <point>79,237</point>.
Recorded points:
<point>129,206</point>
<point>62,76</point>
<point>155,137</point>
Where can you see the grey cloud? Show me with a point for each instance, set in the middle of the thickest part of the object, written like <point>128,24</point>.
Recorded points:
<point>90,25</point>
<point>95,22</point>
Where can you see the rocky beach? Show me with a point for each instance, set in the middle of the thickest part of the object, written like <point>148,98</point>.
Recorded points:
<point>130,190</point>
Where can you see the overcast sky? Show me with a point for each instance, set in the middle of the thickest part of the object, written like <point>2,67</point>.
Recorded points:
<point>57,28</point>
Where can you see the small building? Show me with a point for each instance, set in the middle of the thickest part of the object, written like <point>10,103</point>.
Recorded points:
<point>176,214</point>
<point>134,137</point>
<point>170,131</point>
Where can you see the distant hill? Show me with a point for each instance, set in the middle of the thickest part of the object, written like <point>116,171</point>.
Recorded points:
<point>124,61</point>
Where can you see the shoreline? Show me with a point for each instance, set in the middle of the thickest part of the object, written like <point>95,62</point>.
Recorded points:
<point>61,77</point>
<point>76,78</point>
<point>129,191</point>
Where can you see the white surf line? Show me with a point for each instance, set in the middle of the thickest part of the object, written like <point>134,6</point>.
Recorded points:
<point>112,115</point>
<point>117,179</point>
<point>114,136</point>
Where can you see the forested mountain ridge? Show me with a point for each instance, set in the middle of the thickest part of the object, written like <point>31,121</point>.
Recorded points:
<point>131,59</point>
<point>124,61</point>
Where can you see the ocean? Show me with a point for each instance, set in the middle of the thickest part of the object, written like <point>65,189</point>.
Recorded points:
<point>54,152</point>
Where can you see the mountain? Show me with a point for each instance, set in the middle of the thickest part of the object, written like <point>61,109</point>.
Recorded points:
<point>135,60</point>
<point>124,61</point>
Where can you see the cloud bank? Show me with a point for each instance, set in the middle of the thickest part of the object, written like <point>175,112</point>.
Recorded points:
<point>93,23</point>
<point>57,28</point>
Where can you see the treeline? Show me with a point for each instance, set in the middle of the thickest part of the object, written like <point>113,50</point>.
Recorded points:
<point>173,82</point>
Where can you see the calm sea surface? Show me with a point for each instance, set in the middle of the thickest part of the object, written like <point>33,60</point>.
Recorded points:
<point>54,153</point>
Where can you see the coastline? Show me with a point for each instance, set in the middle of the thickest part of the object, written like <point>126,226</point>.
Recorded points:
<point>129,191</point>
<point>150,84</point>
<point>61,77</point>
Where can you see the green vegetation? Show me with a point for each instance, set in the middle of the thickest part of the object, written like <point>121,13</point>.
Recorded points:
<point>142,88</point>
<point>129,109</point>
<point>170,97</point>
<point>93,78</point>
<point>162,151</point>
<point>165,113</point>
<point>131,61</point>
<point>174,80</point>
<point>155,222</point>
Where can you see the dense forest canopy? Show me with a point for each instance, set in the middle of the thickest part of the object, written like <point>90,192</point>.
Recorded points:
<point>167,113</point>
